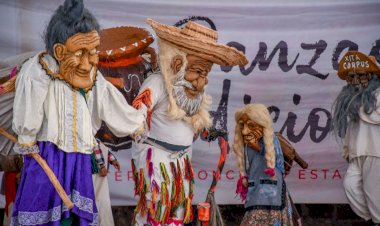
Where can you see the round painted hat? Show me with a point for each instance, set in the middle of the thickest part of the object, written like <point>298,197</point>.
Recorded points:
<point>199,40</point>
<point>123,42</point>
<point>357,61</point>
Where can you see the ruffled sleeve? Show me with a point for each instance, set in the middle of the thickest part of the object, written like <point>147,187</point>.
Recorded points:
<point>109,105</point>
<point>28,112</point>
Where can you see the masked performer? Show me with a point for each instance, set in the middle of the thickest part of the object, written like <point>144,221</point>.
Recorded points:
<point>61,100</point>
<point>125,60</point>
<point>176,107</point>
<point>261,165</point>
<point>356,120</point>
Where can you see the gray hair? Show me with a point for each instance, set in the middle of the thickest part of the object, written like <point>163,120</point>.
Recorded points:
<point>68,20</point>
<point>347,105</point>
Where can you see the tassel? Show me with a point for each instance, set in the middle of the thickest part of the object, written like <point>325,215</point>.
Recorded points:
<point>189,169</point>
<point>187,173</point>
<point>240,189</point>
<point>181,193</point>
<point>141,206</point>
<point>155,186</point>
<point>164,173</point>
<point>179,171</point>
<point>152,212</point>
<point>154,195</point>
<point>173,169</point>
<point>164,194</point>
<point>143,186</point>
<point>134,173</point>
<point>166,214</point>
<point>150,170</point>
<point>146,186</point>
<point>158,212</point>
<point>188,212</point>
<point>174,185</point>
<point>148,157</point>
<point>191,189</point>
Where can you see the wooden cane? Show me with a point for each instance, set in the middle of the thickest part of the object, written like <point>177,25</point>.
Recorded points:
<point>53,179</point>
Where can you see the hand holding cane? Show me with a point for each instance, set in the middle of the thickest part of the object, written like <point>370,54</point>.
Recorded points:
<point>53,179</point>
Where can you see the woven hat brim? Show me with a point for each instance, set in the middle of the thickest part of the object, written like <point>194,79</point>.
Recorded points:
<point>373,67</point>
<point>217,53</point>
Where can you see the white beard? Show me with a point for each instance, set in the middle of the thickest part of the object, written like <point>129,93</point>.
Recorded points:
<point>187,104</point>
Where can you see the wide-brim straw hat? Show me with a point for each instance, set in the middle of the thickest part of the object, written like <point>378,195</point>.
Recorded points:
<point>199,40</point>
<point>123,42</point>
<point>357,61</point>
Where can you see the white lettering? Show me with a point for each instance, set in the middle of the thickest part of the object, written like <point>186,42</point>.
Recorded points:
<point>344,66</point>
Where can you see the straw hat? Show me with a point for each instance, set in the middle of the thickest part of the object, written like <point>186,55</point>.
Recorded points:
<point>357,61</point>
<point>123,42</point>
<point>199,40</point>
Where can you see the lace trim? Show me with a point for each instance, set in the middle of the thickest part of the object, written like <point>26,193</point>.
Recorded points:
<point>54,214</point>
<point>36,218</point>
<point>83,203</point>
<point>23,150</point>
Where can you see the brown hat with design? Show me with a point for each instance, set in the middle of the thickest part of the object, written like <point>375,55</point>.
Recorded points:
<point>122,43</point>
<point>200,41</point>
<point>357,61</point>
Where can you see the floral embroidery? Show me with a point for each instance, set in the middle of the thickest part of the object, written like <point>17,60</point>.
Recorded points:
<point>54,214</point>
<point>83,203</point>
<point>36,218</point>
<point>24,149</point>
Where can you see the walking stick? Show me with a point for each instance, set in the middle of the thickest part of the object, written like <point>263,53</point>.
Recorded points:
<point>53,179</point>
<point>208,211</point>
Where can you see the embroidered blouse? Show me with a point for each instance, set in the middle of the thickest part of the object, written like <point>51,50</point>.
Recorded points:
<point>49,109</point>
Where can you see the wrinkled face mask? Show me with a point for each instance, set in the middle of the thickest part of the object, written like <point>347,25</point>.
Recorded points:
<point>359,78</point>
<point>251,131</point>
<point>78,59</point>
<point>190,83</point>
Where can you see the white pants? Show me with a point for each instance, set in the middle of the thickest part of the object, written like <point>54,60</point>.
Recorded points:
<point>362,186</point>
<point>102,195</point>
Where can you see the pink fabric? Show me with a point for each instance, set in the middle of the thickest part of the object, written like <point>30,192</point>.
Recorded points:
<point>240,189</point>
<point>270,172</point>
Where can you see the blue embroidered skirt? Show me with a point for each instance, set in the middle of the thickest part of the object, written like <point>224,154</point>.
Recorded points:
<point>37,201</point>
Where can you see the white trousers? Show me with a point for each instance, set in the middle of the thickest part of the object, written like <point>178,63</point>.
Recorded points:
<point>102,195</point>
<point>362,186</point>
